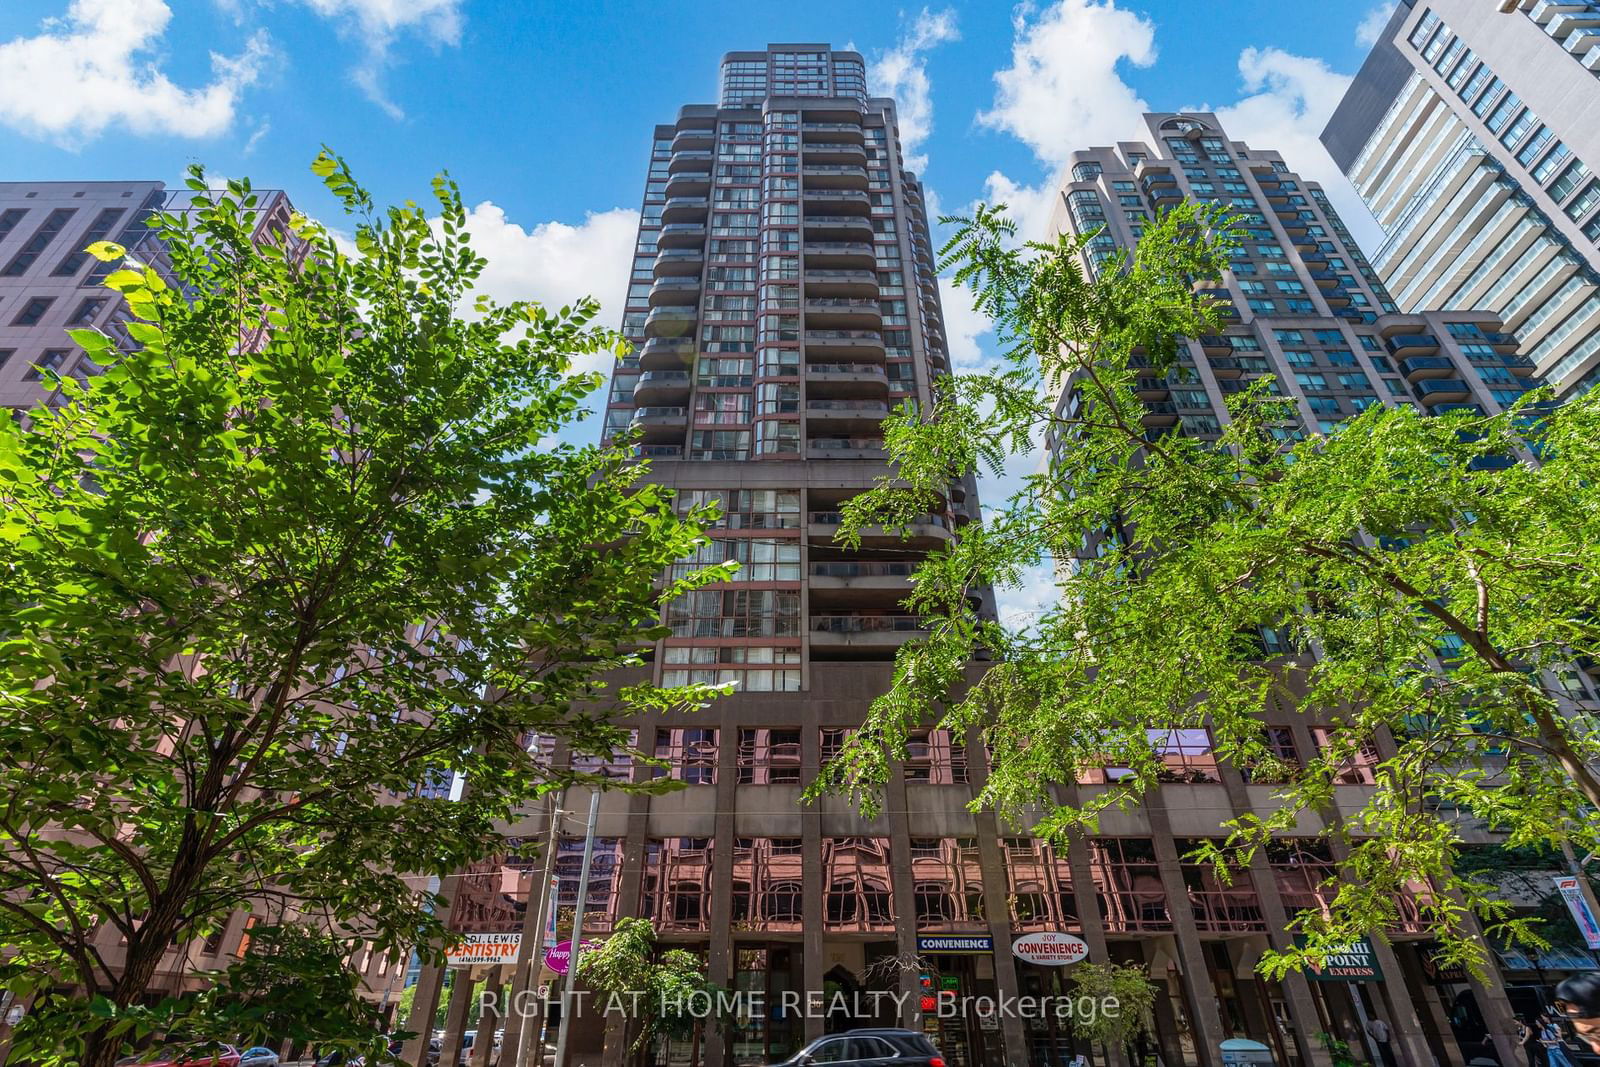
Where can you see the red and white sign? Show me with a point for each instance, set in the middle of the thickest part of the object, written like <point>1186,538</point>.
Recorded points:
<point>485,948</point>
<point>1050,949</point>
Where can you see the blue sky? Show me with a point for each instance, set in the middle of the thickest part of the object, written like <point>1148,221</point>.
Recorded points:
<point>543,111</point>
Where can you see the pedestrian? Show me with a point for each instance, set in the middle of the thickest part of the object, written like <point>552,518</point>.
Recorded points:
<point>1578,1001</point>
<point>1555,1049</point>
<point>1379,1031</point>
<point>1528,1038</point>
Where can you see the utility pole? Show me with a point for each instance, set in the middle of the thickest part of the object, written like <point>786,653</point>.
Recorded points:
<point>521,1033</point>
<point>577,933</point>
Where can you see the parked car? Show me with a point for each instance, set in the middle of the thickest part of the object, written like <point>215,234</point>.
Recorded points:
<point>259,1056</point>
<point>435,1049</point>
<point>469,1039</point>
<point>339,1059</point>
<point>870,1048</point>
<point>221,1056</point>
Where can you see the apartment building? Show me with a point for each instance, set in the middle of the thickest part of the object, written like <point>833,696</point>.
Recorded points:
<point>49,284</point>
<point>1304,305</point>
<point>1470,133</point>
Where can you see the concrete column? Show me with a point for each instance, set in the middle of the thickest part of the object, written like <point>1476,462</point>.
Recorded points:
<point>1496,1007</point>
<point>812,894</point>
<point>1094,930</point>
<point>1394,1006</point>
<point>714,1048</point>
<point>1166,1020</point>
<point>489,1021</point>
<point>425,1002</point>
<point>903,891</point>
<point>995,892</point>
<point>1296,989</point>
<point>455,1020</point>
<point>1196,978</point>
<point>1435,1021</point>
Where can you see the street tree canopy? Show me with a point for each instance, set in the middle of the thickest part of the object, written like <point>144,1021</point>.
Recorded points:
<point>1415,583</point>
<point>305,556</point>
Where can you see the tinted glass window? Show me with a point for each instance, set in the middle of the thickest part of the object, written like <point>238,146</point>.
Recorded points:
<point>836,1051</point>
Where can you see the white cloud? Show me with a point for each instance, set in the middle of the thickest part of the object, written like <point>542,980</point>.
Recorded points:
<point>1288,101</point>
<point>1021,606</point>
<point>1370,28</point>
<point>375,24</point>
<point>902,73</point>
<point>1062,91</point>
<point>555,263</point>
<point>99,66</point>
<point>963,325</point>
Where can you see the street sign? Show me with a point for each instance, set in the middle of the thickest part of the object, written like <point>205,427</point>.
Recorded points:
<point>1355,961</point>
<point>1572,893</point>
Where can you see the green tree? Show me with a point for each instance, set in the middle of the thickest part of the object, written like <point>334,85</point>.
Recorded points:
<point>277,577</point>
<point>1122,1003</point>
<point>1427,592</point>
<point>661,993</point>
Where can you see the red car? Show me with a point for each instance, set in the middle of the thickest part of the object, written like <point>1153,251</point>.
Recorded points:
<point>223,1056</point>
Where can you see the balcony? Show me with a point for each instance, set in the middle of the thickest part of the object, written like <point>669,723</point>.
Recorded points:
<point>834,176</point>
<point>679,261</point>
<point>1412,344</point>
<point>847,583</point>
<point>685,209</point>
<point>1148,389</point>
<point>841,283</point>
<point>1501,341</point>
<point>846,415</point>
<point>925,532</point>
<point>657,451</point>
<point>1224,368</point>
<point>843,380</point>
<point>691,160</point>
<point>1443,391</point>
<point>1419,367</point>
<point>666,353</point>
<point>853,343</point>
<point>1326,279</point>
<point>657,387</point>
<point>660,424</point>
<point>833,152</point>
<point>1214,344</point>
<point>845,448</point>
<point>843,311</point>
<point>675,291</point>
<point>694,138</point>
<point>1337,298</point>
<point>838,227</point>
<point>833,132</point>
<point>836,202</point>
<point>689,183</point>
<point>840,254</point>
<point>682,235</point>
<point>842,632</point>
<point>670,322</point>
<point>1160,413</point>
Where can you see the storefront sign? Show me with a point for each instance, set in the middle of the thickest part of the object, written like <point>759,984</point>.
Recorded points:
<point>485,948</point>
<point>1352,962</point>
<point>558,957</point>
<point>955,943</point>
<point>1436,972</point>
<point>1572,893</point>
<point>1050,949</point>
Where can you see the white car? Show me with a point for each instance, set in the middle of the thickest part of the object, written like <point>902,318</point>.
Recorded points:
<point>259,1056</point>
